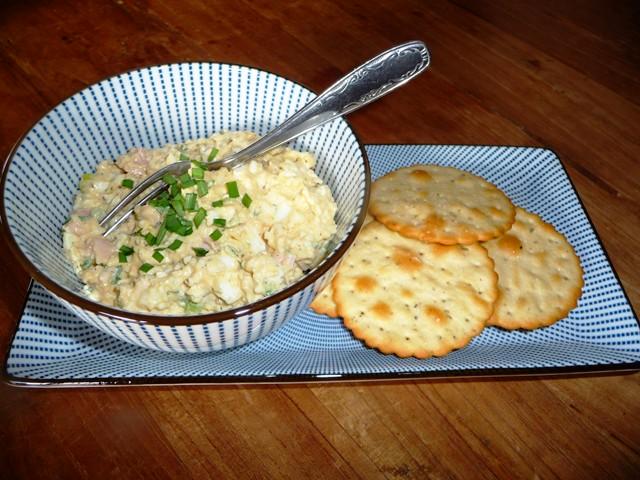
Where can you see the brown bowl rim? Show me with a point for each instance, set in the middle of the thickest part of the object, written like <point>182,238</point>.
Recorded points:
<point>208,318</point>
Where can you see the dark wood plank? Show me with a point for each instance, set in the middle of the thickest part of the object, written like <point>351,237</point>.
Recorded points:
<point>598,39</point>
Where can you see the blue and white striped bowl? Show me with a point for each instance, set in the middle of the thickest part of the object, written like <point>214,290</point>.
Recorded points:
<point>149,108</point>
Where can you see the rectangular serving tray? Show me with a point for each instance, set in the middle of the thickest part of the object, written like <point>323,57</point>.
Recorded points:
<point>51,347</point>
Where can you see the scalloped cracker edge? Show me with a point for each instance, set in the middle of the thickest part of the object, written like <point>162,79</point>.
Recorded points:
<point>440,204</point>
<point>410,298</point>
<point>539,275</point>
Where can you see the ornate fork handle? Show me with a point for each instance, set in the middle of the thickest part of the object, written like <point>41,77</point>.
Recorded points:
<point>370,81</point>
<point>367,83</point>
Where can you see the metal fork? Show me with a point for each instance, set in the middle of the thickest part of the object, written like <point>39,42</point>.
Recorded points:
<point>368,82</point>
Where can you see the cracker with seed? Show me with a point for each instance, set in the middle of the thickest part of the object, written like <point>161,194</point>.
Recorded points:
<point>441,204</point>
<point>539,274</point>
<point>411,298</point>
<point>323,303</point>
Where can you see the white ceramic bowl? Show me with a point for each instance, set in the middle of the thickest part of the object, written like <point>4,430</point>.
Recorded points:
<point>151,107</point>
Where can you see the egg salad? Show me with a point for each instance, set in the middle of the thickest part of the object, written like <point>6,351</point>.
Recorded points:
<point>214,240</point>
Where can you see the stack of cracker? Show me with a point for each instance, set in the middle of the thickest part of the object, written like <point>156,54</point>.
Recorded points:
<point>444,254</point>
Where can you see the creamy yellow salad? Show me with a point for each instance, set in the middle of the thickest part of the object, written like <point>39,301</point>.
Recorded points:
<point>215,240</point>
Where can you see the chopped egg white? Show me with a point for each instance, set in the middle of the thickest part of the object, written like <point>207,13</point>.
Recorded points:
<point>261,245</point>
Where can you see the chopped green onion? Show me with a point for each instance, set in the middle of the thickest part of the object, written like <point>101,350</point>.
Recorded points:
<point>150,238</point>
<point>122,257</point>
<point>186,181</point>
<point>232,189</point>
<point>197,173</point>
<point>200,252</point>
<point>127,183</point>
<point>178,205</point>
<point>202,188</point>
<point>212,154</point>
<point>126,250</point>
<point>163,210</point>
<point>199,164</point>
<point>174,191</point>
<point>221,222</point>
<point>169,179</point>
<point>175,245</point>
<point>181,226</point>
<point>145,267</point>
<point>160,202</point>
<point>184,157</point>
<point>172,222</point>
<point>158,256</point>
<point>217,203</point>
<point>184,230</point>
<point>87,176</point>
<point>162,231</point>
<point>246,200</point>
<point>190,202</point>
<point>199,217</point>
<point>215,235</point>
<point>192,307</point>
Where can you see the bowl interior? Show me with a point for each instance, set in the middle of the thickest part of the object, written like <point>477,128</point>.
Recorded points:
<point>151,107</point>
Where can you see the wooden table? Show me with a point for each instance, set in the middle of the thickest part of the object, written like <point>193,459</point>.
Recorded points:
<point>564,75</point>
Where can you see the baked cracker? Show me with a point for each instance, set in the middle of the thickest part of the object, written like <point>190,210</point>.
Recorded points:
<point>323,303</point>
<point>539,274</point>
<point>411,298</point>
<point>440,204</point>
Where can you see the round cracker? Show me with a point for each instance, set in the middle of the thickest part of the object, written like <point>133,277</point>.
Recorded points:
<point>539,274</point>
<point>441,204</point>
<point>323,303</point>
<point>411,298</point>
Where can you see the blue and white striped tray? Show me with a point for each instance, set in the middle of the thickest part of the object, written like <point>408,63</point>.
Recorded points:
<point>51,347</point>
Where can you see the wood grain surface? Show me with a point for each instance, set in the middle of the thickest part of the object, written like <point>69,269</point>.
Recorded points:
<point>553,73</point>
